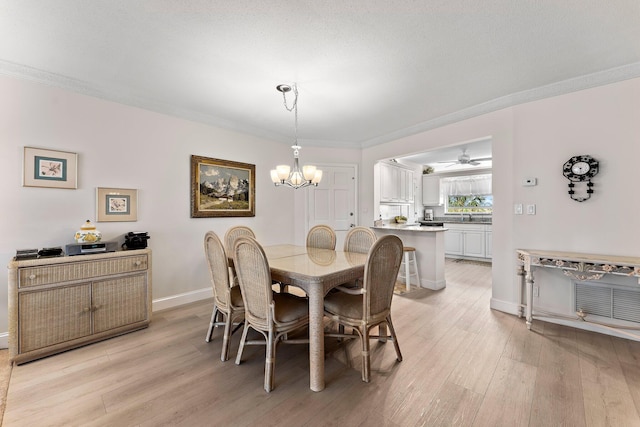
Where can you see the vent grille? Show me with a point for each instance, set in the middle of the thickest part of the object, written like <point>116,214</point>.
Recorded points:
<point>610,302</point>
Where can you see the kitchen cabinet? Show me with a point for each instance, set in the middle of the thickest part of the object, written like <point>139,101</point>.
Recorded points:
<point>406,185</point>
<point>488,242</point>
<point>467,240</point>
<point>56,304</point>
<point>431,190</point>
<point>453,241</point>
<point>396,184</point>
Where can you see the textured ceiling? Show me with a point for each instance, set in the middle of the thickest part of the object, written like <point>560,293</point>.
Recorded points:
<point>368,72</point>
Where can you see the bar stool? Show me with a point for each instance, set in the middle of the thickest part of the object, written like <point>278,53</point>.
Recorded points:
<point>408,258</point>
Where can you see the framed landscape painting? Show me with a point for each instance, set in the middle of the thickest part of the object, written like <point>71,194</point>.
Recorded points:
<point>116,204</point>
<point>221,188</point>
<point>50,168</point>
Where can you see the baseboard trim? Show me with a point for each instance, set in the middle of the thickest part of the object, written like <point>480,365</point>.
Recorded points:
<point>506,306</point>
<point>434,285</point>
<point>181,299</point>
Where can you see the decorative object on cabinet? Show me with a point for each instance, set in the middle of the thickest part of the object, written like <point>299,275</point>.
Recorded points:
<point>282,174</point>
<point>116,204</point>
<point>221,188</point>
<point>135,240</point>
<point>88,233</point>
<point>49,168</point>
<point>580,169</point>
<point>426,170</point>
<point>57,304</point>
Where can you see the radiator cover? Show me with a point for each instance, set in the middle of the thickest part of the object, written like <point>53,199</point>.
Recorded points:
<point>608,301</point>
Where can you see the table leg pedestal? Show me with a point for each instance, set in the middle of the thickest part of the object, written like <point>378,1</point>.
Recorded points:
<point>316,338</point>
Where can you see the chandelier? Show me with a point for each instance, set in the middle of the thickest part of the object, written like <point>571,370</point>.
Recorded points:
<point>283,174</point>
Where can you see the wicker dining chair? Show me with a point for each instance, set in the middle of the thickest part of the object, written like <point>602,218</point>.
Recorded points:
<point>272,314</point>
<point>227,298</point>
<point>369,306</point>
<point>229,241</point>
<point>321,236</point>
<point>233,233</point>
<point>359,239</point>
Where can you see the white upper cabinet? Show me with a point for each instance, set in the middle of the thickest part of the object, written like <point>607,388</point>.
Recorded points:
<point>396,184</point>
<point>431,190</point>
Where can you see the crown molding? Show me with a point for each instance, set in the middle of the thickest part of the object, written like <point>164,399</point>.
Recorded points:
<point>118,95</point>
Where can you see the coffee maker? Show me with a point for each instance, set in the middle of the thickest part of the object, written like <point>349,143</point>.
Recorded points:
<point>428,214</point>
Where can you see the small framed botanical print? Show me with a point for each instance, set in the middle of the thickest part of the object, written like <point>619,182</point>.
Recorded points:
<point>50,168</point>
<point>116,204</point>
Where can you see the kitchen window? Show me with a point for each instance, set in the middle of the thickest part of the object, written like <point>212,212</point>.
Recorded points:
<point>468,194</point>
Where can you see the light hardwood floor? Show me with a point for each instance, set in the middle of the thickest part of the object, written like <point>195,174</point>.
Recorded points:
<point>464,365</point>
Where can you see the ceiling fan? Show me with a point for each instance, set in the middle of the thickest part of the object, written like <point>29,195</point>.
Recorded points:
<point>465,159</point>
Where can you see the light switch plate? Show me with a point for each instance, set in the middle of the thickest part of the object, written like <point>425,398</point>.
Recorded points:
<point>517,209</point>
<point>531,209</point>
<point>529,182</point>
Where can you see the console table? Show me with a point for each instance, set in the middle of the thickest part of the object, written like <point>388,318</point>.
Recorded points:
<point>56,304</point>
<point>577,266</point>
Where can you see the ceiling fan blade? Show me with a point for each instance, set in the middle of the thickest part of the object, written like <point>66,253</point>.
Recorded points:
<point>473,163</point>
<point>450,161</point>
<point>480,159</point>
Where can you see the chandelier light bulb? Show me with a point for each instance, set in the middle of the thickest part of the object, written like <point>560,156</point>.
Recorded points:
<point>309,172</point>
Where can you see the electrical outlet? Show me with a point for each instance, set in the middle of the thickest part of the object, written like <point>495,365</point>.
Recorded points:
<point>536,291</point>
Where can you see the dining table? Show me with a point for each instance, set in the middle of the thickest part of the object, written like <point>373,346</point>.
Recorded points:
<point>316,271</point>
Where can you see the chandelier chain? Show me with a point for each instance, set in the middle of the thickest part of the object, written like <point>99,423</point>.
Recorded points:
<point>293,108</point>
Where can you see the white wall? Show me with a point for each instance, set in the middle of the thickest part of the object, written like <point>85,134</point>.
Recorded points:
<point>534,140</point>
<point>126,147</point>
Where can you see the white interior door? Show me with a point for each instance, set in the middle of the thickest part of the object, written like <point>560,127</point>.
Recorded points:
<point>333,202</point>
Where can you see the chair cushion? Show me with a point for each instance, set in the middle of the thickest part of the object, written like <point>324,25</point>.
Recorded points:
<point>236,297</point>
<point>290,308</point>
<point>344,305</point>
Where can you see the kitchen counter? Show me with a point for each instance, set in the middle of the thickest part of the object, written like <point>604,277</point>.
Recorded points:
<point>457,220</point>
<point>429,244</point>
<point>409,227</point>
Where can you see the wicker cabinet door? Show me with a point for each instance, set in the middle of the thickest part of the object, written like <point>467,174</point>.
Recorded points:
<point>53,316</point>
<point>119,302</point>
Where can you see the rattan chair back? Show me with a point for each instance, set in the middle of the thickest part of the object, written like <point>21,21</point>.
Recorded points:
<point>359,239</point>
<point>321,236</point>
<point>233,233</point>
<point>380,273</point>
<point>218,269</point>
<point>254,277</point>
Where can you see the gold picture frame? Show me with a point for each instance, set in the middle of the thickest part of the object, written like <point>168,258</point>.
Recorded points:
<point>49,168</point>
<point>222,188</point>
<point>116,204</point>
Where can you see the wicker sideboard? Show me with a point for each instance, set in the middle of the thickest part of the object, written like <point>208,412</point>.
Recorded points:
<point>56,304</point>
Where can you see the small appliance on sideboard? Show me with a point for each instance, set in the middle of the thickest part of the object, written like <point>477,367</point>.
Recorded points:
<point>91,248</point>
<point>135,240</point>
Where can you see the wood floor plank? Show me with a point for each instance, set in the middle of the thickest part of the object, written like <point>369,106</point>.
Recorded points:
<point>508,399</point>
<point>558,394</point>
<point>607,397</point>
